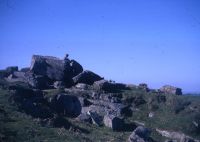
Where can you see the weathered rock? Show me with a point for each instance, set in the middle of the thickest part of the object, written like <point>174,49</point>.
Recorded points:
<point>76,68</point>
<point>176,135</point>
<point>84,117</point>
<point>109,86</point>
<point>104,107</point>
<point>113,122</point>
<point>83,86</point>
<point>22,93</point>
<point>25,69</point>
<point>11,69</point>
<point>140,134</point>
<point>111,97</point>
<point>86,77</point>
<point>167,89</point>
<point>37,81</point>
<point>66,105</point>
<point>96,118</point>
<point>59,85</point>
<point>37,108</point>
<point>30,101</point>
<point>51,67</point>
<point>119,109</point>
<point>55,68</point>
<point>84,102</point>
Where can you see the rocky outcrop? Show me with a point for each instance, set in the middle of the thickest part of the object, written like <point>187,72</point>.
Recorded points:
<point>87,77</point>
<point>51,67</point>
<point>55,68</point>
<point>35,81</point>
<point>168,89</point>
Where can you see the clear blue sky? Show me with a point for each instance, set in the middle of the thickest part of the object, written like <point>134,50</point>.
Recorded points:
<point>131,41</point>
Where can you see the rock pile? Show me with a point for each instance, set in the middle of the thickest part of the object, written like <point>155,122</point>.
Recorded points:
<point>85,95</point>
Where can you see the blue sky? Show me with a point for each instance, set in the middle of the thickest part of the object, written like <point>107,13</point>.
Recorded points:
<point>130,41</point>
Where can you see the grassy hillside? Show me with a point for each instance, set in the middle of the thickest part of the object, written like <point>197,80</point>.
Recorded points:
<point>169,112</point>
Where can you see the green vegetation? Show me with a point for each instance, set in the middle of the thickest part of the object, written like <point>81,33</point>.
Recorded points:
<point>16,126</point>
<point>170,112</point>
<point>177,113</point>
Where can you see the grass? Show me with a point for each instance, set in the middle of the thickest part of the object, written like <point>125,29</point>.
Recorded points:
<point>165,116</point>
<point>16,126</point>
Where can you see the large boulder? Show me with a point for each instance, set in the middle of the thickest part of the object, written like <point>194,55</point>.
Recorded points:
<point>76,68</point>
<point>109,86</point>
<point>113,122</point>
<point>168,89</point>
<point>86,77</point>
<point>66,105</point>
<point>51,67</point>
<point>55,68</point>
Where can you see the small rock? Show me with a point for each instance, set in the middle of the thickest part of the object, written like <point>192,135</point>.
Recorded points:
<point>59,85</point>
<point>113,122</point>
<point>151,115</point>
<point>96,118</point>
<point>83,117</point>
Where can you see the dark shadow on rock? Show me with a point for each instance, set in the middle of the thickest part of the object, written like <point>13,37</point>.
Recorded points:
<point>129,127</point>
